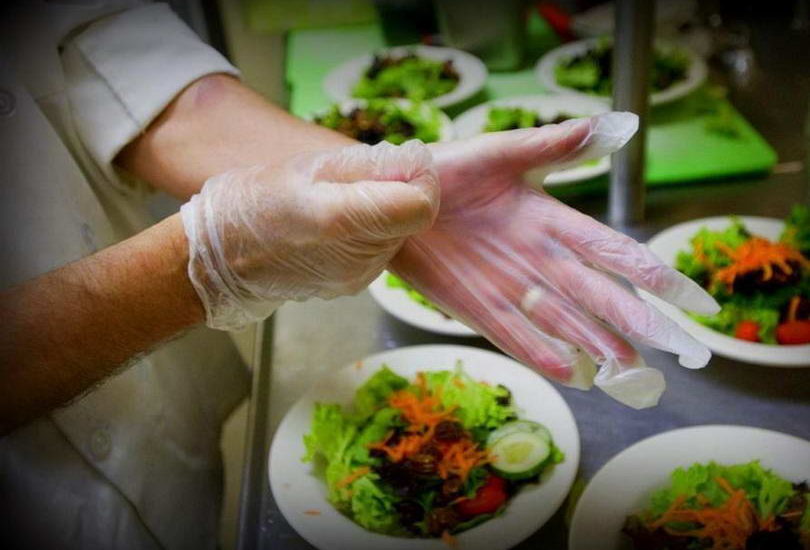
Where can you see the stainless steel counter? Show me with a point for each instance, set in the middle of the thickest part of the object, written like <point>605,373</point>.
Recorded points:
<point>313,338</point>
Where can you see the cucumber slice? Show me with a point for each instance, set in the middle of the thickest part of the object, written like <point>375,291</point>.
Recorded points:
<point>520,455</point>
<point>525,426</point>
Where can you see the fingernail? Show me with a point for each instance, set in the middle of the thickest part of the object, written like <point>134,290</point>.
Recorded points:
<point>635,385</point>
<point>611,131</point>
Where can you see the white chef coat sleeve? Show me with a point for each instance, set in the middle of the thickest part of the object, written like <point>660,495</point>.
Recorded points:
<point>123,70</point>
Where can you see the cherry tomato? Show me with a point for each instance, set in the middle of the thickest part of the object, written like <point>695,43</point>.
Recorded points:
<point>490,496</point>
<point>747,330</point>
<point>791,333</point>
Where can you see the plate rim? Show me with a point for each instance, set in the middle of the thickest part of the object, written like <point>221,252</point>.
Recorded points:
<point>573,454</point>
<point>591,487</point>
<point>769,355</point>
<point>477,73</point>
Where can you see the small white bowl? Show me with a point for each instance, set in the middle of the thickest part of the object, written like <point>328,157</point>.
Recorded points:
<point>301,496</point>
<point>666,246</point>
<point>624,485</point>
<point>446,129</point>
<point>472,122</point>
<point>546,66</point>
<point>341,80</point>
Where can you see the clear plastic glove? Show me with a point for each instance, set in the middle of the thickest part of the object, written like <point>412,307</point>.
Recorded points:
<point>536,277</point>
<point>323,225</point>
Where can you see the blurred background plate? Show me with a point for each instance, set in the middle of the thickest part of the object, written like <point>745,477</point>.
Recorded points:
<point>299,493</point>
<point>546,66</point>
<point>472,123</point>
<point>624,485</point>
<point>340,81</point>
<point>666,246</point>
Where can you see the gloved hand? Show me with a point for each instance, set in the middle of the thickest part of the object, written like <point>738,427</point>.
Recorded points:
<point>536,277</point>
<point>324,224</point>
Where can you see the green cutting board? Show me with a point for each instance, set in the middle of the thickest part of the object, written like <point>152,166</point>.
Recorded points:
<point>681,147</point>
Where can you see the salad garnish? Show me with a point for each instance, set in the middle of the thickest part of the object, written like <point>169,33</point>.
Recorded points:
<point>716,507</point>
<point>763,286</point>
<point>428,458</point>
<point>511,118</point>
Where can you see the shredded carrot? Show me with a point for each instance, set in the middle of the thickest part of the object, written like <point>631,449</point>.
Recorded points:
<point>727,526</point>
<point>423,412</point>
<point>757,253</point>
<point>352,477</point>
<point>449,539</point>
<point>312,512</point>
<point>793,308</point>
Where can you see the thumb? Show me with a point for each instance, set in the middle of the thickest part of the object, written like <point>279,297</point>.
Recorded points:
<point>382,210</point>
<point>552,146</point>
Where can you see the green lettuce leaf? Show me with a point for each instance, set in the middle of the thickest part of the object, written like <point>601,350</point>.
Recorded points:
<point>374,393</point>
<point>768,492</point>
<point>477,405</point>
<point>372,507</point>
<point>797,229</point>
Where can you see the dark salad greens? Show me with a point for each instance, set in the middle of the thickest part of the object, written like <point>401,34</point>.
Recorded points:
<point>385,120</point>
<point>511,118</point>
<point>591,71</point>
<point>427,458</point>
<point>409,76</point>
<point>716,507</point>
<point>763,286</point>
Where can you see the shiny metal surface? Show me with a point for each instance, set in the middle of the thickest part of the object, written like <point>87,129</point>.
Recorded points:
<point>316,337</point>
<point>632,58</point>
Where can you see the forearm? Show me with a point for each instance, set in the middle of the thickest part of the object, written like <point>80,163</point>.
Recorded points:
<point>215,125</point>
<point>68,329</point>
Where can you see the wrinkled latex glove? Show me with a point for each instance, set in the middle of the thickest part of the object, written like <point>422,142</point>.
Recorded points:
<point>538,278</point>
<point>323,225</point>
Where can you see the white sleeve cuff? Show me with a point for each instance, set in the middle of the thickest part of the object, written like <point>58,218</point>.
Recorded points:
<point>122,71</point>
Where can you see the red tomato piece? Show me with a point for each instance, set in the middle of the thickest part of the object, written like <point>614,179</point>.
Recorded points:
<point>747,330</point>
<point>791,333</point>
<point>490,496</point>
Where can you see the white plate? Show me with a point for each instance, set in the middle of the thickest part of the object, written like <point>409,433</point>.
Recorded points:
<point>624,485</point>
<point>298,492</point>
<point>472,72</point>
<point>472,122</point>
<point>544,72</point>
<point>446,129</point>
<point>666,246</point>
<point>397,302</point>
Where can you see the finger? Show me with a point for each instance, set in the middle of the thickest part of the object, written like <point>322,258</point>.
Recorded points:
<point>552,145</point>
<point>616,252</point>
<point>375,210</point>
<point>411,162</point>
<point>558,317</point>
<point>631,316</point>
<point>482,303</point>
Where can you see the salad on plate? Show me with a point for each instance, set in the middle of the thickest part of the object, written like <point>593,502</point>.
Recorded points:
<point>710,506</point>
<point>512,118</point>
<point>429,457</point>
<point>408,76</point>
<point>591,71</point>
<point>763,286</point>
<point>376,120</point>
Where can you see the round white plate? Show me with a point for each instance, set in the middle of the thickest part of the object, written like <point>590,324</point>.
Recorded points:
<point>301,496</point>
<point>472,72</point>
<point>446,129</point>
<point>666,246</point>
<point>472,122</point>
<point>397,302</point>
<point>544,72</point>
<point>624,485</point>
